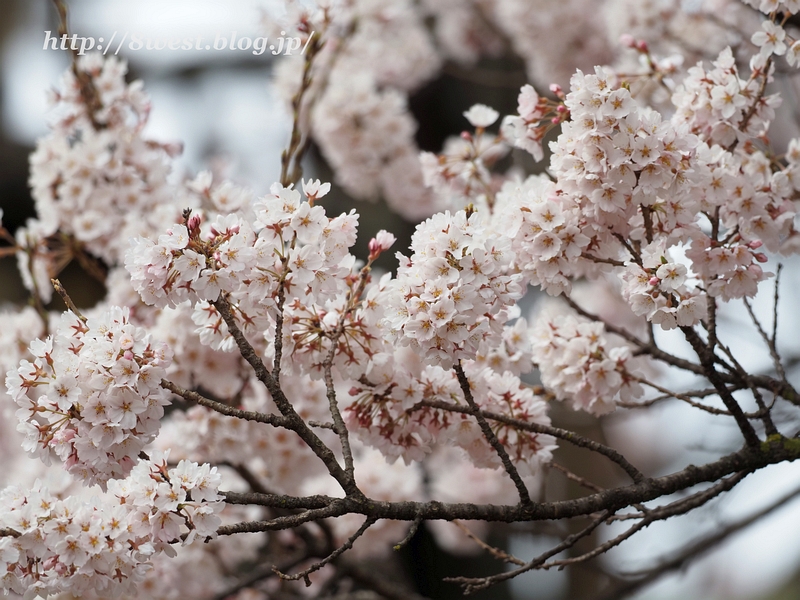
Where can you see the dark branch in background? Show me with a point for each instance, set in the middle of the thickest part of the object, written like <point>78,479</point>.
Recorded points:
<point>471,585</point>
<point>332,556</point>
<point>697,548</point>
<point>376,581</point>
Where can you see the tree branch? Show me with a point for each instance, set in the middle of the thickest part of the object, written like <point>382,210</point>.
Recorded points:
<point>556,432</point>
<point>294,421</point>
<point>522,490</point>
<point>276,420</point>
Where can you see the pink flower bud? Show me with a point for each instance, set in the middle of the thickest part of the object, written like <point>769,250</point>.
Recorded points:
<point>654,280</point>
<point>193,224</point>
<point>71,461</point>
<point>382,241</point>
<point>641,46</point>
<point>627,40</point>
<point>755,244</point>
<point>556,89</point>
<point>760,257</point>
<point>466,136</point>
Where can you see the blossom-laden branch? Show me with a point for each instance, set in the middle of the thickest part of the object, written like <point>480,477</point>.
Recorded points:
<point>678,210</point>
<point>293,420</point>
<point>556,432</point>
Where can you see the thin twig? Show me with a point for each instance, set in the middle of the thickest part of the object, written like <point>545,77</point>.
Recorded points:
<point>474,584</point>
<point>496,552</point>
<point>67,300</point>
<point>774,337</point>
<point>707,359</point>
<point>763,409</point>
<point>522,490</point>
<point>667,395</point>
<point>271,419</point>
<point>694,550</point>
<point>412,531</point>
<point>576,478</point>
<point>773,351</point>
<point>685,398</point>
<point>332,556</point>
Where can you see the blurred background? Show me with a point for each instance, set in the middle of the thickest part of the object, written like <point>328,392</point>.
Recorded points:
<point>221,106</point>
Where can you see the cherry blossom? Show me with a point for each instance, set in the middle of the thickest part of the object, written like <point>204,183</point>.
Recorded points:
<point>92,396</point>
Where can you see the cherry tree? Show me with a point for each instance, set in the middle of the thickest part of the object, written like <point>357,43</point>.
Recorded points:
<point>248,373</point>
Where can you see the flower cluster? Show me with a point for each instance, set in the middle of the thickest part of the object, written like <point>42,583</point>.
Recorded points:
<point>103,545</point>
<point>95,177</point>
<point>719,106</point>
<point>461,173</point>
<point>580,364</point>
<point>545,231</point>
<point>657,289</point>
<point>537,116</point>
<point>455,291</point>
<point>397,410</point>
<point>92,396</point>
<point>288,241</point>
